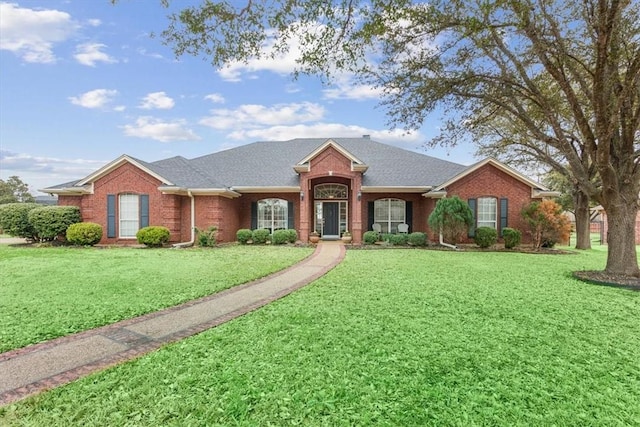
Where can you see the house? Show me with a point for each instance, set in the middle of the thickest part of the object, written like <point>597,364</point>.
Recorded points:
<point>328,185</point>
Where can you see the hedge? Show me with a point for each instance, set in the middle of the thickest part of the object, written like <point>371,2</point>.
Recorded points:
<point>50,222</point>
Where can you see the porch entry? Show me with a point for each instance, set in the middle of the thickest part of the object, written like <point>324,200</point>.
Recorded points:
<point>330,218</point>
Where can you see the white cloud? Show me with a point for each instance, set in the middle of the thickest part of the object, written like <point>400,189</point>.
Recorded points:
<point>157,100</point>
<point>216,98</point>
<point>164,131</point>
<point>396,137</point>
<point>90,53</point>
<point>98,98</point>
<point>252,115</point>
<point>346,88</point>
<point>32,33</point>
<point>94,22</point>
<point>41,172</point>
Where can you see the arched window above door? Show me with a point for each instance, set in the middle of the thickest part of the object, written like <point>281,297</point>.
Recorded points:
<point>330,191</point>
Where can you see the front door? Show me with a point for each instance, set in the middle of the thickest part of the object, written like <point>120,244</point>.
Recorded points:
<point>330,219</point>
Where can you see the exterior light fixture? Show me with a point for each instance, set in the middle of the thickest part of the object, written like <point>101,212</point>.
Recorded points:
<point>302,195</point>
<point>359,195</point>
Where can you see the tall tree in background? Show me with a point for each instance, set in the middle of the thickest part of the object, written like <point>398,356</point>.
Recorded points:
<point>572,61</point>
<point>13,190</point>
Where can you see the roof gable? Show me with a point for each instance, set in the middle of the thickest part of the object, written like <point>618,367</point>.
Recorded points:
<point>356,164</point>
<point>110,167</point>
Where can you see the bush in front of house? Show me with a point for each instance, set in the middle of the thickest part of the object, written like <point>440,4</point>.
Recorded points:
<point>400,239</point>
<point>512,237</point>
<point>452,217</point>
<point>153,236</point>
<point>485,237</point>
<point>370,237</point>
<point>386,237</point>
<point>260,236</point>
<point>243,236</point>
<point>49,222</point>
<point>280,237</point>
<point>84,233</point>
<point>547,223</point>
<point>292,235</point>
<point>417,239</point>
<point>208,237</point>
<point>14,219</point>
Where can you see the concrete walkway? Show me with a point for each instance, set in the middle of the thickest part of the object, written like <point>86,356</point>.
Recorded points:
<point>39,367</point>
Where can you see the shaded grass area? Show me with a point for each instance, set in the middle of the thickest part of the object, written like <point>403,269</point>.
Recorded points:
<point>398,338</point>
<point>50,292</point>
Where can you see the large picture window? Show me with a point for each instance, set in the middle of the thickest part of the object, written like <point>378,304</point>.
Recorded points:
<point>487,212</point>
<point>129,215</point>
<point>272,214</point>
<point>388,213</point>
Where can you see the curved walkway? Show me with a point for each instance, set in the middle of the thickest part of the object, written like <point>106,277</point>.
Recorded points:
<point>50,364</point>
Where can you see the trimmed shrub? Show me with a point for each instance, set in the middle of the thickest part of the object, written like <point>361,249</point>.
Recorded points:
<point>260,236</point>
<point>280,237</point>
<point>417,239</point>
<point>485,237</point>
<point>14,219</point>
<point>452,217</point>
<point>154,236</point>
<point>386,237</point>
<point>50,222</point>
<point>243,236</point>
<point>370,237</point>
<point>207,237</point>
<point>400,239</point>
<point>292,235</point>
<point>84,233</point>
<point>512,237</point>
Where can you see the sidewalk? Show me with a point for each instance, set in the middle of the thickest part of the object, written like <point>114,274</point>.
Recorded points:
<point>39,367</point>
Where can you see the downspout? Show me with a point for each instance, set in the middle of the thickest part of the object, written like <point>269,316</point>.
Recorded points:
<point>193,224</point>
<point>446,244</point>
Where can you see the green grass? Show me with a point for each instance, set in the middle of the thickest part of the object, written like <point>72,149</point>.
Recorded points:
<point>50,292</point>
<point>392,338</point>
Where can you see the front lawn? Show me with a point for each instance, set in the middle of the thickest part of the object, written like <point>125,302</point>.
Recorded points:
<point>50,292</point>
<point>398,338</point>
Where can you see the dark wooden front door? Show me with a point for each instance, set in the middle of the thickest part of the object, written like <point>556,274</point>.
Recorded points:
<point>331,218</point>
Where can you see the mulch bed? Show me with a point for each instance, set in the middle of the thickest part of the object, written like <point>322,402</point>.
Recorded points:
<point>605,279</point>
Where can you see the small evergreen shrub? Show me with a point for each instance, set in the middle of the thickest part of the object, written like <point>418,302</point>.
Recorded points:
<point>370,237</point>
<point>50,222</point>
<point>400,239</point>
<point>260,236</point>
<point>512,237</point>
<point>280,237</point>
<point>485,237</point>
<point>243,236</point>
<point>292,235</point>
<point>386,237</point>
<point>14,219</point>
<point>417,239</point>
<point>84,233</point>
<point>207,237</point>
<point>153,236</point>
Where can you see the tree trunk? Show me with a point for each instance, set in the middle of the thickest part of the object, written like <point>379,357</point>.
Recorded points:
<point>583,219</point>
<point>621,238</point>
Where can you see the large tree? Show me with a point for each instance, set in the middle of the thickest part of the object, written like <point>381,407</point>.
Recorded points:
<point>14,190</point>
<point>578,60</point>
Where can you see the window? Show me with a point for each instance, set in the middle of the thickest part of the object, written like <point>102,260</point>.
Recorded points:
<point>272,214</point>
<point>330,191</point>
<point>487,212</point>
<point>389,213</point>
<point>129,215</point>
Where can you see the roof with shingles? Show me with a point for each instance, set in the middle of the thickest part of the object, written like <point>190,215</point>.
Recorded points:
<point>270,164</point>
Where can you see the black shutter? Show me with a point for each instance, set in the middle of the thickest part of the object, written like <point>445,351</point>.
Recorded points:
<point>504,210</point>
<point>473,206</point>
<point>408,215</point>
<point>111,215</point>
<point>370,215</point>
<point>144,210</point>
<point>290,218</point>
<point>254,215</point>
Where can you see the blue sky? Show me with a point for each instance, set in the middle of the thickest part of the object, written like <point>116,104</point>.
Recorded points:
<point>82,82</point>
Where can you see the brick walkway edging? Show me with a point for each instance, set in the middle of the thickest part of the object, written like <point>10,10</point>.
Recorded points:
<point>143,347</point>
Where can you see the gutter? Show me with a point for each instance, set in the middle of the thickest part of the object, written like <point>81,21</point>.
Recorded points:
<point>193,224</point>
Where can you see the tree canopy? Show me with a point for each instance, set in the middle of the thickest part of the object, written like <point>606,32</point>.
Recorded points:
<point>563,74</point>
<point>14,190</point>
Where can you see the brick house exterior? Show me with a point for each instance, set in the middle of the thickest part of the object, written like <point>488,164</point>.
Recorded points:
<point>328,185</point>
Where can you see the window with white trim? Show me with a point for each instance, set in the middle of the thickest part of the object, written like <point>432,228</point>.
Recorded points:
<point>389,213</point>
<point>273,214</point>
<point>487,212</point>
<point>129,212</point>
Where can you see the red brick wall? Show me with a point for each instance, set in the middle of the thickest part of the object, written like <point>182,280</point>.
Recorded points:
<point>489,181</point>
<point>164,210</point>
<point>221,212</point>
